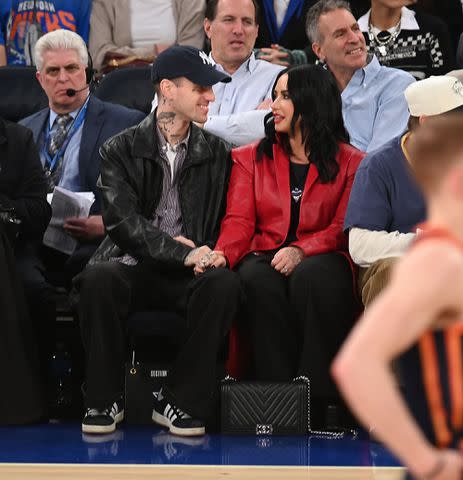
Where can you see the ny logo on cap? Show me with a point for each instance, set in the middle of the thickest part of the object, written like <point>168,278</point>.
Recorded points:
<point>205,58</point>
<point>458,87</point>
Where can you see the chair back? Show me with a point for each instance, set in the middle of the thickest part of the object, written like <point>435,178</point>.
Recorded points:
<point>129,86</point>
<point>22,94</point>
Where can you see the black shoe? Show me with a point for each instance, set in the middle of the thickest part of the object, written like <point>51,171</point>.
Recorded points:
<point>177,421</point>
<point>103,421</point>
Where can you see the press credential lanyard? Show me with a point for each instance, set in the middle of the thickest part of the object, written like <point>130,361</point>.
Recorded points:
<point>50,163</point>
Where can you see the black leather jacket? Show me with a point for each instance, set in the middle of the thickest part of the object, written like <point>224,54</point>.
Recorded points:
<point>131,186</point>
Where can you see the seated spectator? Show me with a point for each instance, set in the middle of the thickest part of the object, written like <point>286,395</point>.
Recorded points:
<point>449,11</point>
<point>238,111</point>
<point>385,203</point>
<point>412,41</point>
<point>24,215</point>
<point>374,108</point>
<point>282,36</point>
<point>282,232</point>
<point>163,184</point>
<point>127,31</point>
<point>68,135</point>
<point>22,23</point>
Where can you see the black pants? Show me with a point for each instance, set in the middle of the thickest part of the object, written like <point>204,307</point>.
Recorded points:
<point>298,322</point>
<point>110,291</point>
<point>22,398</point>
<point>41,269</point>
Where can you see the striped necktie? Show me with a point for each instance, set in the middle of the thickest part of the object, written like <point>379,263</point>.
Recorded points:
<point>59,134</point>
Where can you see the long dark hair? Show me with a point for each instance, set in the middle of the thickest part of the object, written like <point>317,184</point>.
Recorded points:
<point>317,102</point>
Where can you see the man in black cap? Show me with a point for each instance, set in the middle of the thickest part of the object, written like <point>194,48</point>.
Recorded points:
<point>163,185</point>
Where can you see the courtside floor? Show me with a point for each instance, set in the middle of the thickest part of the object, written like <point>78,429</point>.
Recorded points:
<point>61,451</point>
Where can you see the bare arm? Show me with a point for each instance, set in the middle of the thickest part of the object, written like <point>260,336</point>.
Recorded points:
<point>426,282</point>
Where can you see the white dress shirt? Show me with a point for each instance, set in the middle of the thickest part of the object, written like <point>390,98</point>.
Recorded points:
<point>233,115</point>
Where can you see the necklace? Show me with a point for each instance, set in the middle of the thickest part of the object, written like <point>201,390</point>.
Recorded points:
<point>298,174</point>
<point>380,44</point>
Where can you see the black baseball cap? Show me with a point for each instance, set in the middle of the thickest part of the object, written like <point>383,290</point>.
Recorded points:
<point>185,61</point>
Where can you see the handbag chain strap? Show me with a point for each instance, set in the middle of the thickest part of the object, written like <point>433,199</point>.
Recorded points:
<point>309,414</point>
<point>311,432</point>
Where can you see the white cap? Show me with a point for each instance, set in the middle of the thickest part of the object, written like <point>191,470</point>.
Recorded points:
<point>434,95</point>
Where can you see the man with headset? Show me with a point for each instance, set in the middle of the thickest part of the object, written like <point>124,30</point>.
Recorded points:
<point>68,134</point>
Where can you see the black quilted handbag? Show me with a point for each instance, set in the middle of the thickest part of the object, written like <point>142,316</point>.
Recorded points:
<point>265,408</point>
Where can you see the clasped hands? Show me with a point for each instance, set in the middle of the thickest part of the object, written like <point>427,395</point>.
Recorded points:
<point>202,258</point>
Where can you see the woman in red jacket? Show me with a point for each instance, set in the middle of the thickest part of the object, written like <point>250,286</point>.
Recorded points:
<point>283,232</point>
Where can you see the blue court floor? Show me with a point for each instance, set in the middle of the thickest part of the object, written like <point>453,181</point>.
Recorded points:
<point>65,443</point>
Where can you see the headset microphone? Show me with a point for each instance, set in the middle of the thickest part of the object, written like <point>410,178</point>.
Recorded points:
<point>89,78</point>
<point>70,92</point>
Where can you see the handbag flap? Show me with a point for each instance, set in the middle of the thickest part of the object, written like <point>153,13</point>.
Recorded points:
<point>264,408</point>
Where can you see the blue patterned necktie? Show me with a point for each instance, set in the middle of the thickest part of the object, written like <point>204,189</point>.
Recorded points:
<point>59,135</point>
<point>57,139</point>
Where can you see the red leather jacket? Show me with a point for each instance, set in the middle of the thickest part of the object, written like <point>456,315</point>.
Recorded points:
<point>259,205</point>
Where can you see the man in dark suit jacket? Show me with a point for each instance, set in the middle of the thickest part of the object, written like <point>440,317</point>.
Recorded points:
<point>68,134</point>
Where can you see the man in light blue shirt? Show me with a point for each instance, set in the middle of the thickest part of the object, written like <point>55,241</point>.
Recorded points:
<point>374,107</point>
<point>241,105</point>
<point>238,112</point>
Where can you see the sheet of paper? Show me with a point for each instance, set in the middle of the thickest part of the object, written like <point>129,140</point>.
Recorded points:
<point>65,204</point>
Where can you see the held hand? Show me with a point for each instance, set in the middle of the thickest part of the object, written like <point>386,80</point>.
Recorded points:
<point>195,255</point>
<point>85,228</point>
<point>274,55</point>
<point>213,259</point>
<point>185,241</point>
<point>286,259</point>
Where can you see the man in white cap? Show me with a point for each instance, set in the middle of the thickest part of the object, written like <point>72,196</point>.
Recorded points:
<point>386,204</point>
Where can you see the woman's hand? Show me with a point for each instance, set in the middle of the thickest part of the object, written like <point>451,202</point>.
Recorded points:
<point>286,260</point>
<point>214,259</point>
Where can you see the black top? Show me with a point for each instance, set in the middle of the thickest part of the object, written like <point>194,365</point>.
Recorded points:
<point>298,174</point>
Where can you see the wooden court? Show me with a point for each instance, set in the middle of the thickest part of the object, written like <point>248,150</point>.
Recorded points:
<point>170,472</point>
